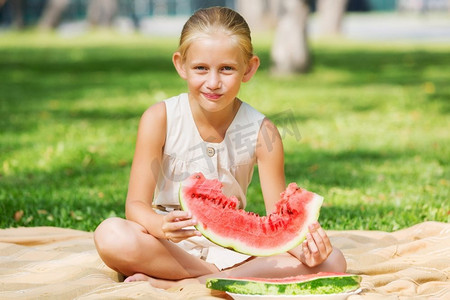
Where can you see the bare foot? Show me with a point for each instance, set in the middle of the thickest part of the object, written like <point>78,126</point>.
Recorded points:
<point>137,277</point>
<point>160,283</point>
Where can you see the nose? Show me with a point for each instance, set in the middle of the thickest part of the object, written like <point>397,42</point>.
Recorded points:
<point>213,81</point>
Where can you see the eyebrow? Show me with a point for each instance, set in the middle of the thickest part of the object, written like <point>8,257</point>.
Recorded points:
<point>226,63</point>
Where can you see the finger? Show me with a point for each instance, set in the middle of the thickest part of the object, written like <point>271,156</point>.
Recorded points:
<point>306,253</point>
<point>325,239</point>
<point>178,225</point>
<point>310,259</point>
<point>318,240</point>
<point>186,233</point>
<point>311,244</point>
<point>178,214</point>
<point>177,236</point>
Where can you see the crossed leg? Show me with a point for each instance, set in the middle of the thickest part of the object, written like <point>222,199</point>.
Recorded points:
<point>126,247</point>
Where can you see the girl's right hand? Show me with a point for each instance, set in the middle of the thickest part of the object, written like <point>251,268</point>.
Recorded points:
<point>174,223</point>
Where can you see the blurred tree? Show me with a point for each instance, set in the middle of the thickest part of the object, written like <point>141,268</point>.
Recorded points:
<point>17,13</point>
<point>290,51</point>
<point>52,13</point>
<point>252,11</point>
<point>330,14</point>
<point>259,14</point>
<point>101,13</point>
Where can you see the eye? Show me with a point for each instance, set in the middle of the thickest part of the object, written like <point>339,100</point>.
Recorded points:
<point>200,68</point>
<point>227,69</point>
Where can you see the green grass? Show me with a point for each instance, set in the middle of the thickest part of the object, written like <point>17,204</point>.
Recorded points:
<point>368,128</point>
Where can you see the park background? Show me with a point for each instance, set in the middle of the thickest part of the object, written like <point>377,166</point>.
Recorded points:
<point>366,124</point>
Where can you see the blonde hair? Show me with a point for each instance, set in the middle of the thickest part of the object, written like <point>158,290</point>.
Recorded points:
<point>215,19</point>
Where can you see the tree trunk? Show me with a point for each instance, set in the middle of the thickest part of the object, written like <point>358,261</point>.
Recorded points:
<point>17,14</point>
<point>101,12</point>
<point>258,13</point>
<point>330,14</point>
<point>52,14</point>
<point>290,51</point>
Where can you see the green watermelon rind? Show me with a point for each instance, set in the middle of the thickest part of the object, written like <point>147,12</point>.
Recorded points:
<point>314,211</point>
<point>316,286</point>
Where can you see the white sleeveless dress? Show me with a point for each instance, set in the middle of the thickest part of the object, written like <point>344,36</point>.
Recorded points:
<point>231,161</point>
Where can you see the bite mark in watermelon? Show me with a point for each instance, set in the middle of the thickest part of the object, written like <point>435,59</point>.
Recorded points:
<point>312,284</point>
<point>220,220</point>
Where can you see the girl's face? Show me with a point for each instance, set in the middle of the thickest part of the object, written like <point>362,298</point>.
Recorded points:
<point>214,68</point>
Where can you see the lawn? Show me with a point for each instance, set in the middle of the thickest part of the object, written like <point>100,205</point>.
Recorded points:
<point>367,128</point>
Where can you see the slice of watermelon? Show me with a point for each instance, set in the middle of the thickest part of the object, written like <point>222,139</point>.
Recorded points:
<point>219,220</point>
<point>313,284</point>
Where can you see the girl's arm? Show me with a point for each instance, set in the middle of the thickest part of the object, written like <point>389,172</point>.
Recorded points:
<point>145,169</point>
<point>270,159</point>
<point>317,246</point>
<point>143,178</point>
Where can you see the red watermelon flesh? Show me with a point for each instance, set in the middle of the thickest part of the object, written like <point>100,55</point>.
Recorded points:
<point>220,221</point>
<point>311,284</point>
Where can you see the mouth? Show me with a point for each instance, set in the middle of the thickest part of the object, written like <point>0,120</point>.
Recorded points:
<point>212,96</point>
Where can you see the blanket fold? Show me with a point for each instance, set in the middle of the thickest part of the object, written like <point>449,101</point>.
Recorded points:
<point>58,263</point>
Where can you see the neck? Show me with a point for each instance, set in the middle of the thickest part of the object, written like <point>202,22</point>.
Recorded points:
<point>213,126</point>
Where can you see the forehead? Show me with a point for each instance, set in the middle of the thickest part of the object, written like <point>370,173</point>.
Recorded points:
<point>217,45</point>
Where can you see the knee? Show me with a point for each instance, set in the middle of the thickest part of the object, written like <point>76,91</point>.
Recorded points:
<point>336,261</point>
<point>109,236</point>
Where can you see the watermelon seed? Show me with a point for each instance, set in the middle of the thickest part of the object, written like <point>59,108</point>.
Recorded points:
<point>251,213</point>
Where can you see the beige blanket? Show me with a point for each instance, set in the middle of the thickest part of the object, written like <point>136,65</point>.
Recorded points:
<point>56,263</point>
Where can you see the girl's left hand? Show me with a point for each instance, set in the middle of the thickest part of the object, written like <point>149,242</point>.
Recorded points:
<point>317,246</point>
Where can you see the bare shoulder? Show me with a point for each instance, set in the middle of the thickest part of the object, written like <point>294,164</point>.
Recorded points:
<point>268,125</point>
<point>152,125</point>
<point>268,138</point>
<point>155,114</point>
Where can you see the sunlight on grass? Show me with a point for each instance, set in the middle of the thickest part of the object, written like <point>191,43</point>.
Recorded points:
<point>367,128</point>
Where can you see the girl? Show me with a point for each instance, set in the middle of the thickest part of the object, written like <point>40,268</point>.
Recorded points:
<point>207,130</point>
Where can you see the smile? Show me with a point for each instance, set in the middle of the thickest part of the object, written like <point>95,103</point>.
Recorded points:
<point>212,96</point>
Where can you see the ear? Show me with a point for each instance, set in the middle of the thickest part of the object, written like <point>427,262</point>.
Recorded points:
<point>252,67</point>
<point>179,65</point>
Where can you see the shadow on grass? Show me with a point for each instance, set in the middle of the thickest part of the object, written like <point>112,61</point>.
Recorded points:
<point>86,60</point>
<point>38,84</point>
<point>375,66</point>
<point>363,216</point>
<point>32,75</point>
<point>346,216</point>
<point>71,196</point>
<point>352,170</point>
<point>343,169</point>
<point>442,97</point>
